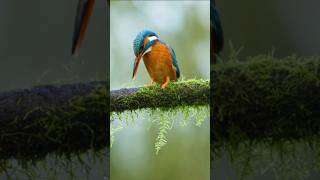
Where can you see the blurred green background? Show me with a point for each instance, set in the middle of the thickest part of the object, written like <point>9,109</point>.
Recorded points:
<point>35,36</point>
<point>185,156</point>
<point>287,26</point>
<point>35,43</point>
<point>36,39</point>
<point>258,27</point>
<point>184,25</point>
<point>35,48</point>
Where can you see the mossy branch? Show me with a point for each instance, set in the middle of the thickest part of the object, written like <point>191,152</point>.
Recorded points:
<point>184,93</point>
<point>75,117</point>
<point>60,119</point>
<point>262,98</point>
<point>265,99</point>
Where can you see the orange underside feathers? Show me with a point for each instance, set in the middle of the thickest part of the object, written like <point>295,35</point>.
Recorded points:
<point>159,65</point>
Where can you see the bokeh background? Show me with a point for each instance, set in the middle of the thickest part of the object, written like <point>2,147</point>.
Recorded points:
<point>36,39</point>
<point>184,25</point>
<point>283,27</point>
<point>35,42</point>
<point>35,48</point>
<point>287,26</point>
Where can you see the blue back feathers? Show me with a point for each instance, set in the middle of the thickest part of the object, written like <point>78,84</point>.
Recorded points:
<point>175,62</point>
<point>138,41</point>
<point>216,25</point>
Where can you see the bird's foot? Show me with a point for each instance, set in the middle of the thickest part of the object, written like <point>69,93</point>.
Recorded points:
<point>164,85</point>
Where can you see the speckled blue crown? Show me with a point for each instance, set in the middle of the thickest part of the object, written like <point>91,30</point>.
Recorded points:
<point>138,41</point>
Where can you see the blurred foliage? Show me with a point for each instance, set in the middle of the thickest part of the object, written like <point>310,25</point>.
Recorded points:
<point>44,143</point>
<point>264,96</point>
<point>165,118</point>
<point>265,113</point>
<point>88,165</point>
<point>47,128</point>
<point>176,134</point>
<point>269,160</point>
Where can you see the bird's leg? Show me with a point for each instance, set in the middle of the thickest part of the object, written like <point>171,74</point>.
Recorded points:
<point>165,84</point>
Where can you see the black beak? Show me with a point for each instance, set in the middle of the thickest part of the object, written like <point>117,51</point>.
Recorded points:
<point>136,65</point>
<point>84,11</point>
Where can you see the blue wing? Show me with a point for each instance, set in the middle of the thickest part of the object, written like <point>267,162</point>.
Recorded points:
<point>216,25</point>
<point>175,62</point>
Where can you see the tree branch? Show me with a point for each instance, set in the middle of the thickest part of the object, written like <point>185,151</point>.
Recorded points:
<point>75,117</point>
<point>191,92</point>
<point>61,119</point>
<point>265,99</point>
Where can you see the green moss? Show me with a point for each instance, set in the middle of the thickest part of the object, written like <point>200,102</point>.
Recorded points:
<point>62,130</point>
<point>182,93</point>
<point>163,118</point>
<point>266,110</point>
<point>62,134</point>
<point>163,106</point>
<point>266,97</point>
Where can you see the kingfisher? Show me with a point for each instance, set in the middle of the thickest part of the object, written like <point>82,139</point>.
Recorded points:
<point>159,58</point>
<point>217,39</point>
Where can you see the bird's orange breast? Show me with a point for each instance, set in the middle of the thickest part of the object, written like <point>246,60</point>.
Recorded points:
<point>159,63</point>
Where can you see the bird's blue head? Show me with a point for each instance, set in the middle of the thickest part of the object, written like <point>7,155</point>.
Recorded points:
<point>140,48</point>
<point>138,41</point>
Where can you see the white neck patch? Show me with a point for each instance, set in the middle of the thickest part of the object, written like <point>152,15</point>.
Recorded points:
<point>152,38</point>
<point>148,50</point>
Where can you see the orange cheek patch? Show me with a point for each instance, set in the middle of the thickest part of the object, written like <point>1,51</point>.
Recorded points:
<point>145,41</point>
